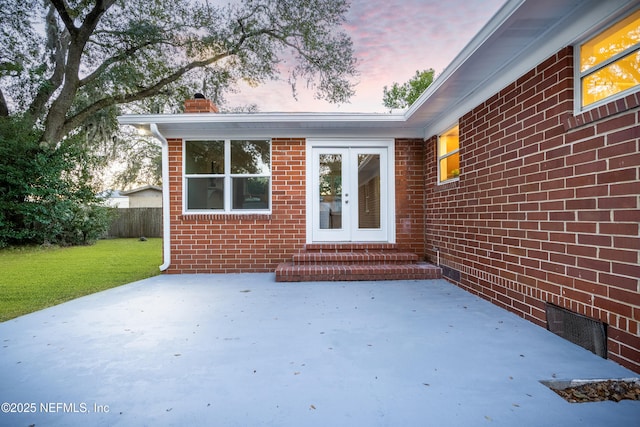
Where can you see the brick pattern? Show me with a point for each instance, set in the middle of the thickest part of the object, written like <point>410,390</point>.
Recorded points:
<point>410,195</point>
<point>356,261</point>
<point>547,207</point>
<point>229,243</point>
<point>224,243</point>
<point>354,258</point>
<point>199,105</point>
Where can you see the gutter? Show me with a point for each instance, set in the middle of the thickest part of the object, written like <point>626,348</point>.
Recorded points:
<point>166,219</point>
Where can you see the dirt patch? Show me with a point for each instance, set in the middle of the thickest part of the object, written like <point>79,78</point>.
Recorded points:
<point>615,390</point>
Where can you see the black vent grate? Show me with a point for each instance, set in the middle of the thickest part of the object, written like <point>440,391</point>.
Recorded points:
<point>581,330</point>
<point>450,273</point>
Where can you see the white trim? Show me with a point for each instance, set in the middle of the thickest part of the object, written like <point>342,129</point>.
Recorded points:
<point>562,31</point>
<point>281,125</point>
<point>496,22</point>
<point>261,118</point>
<point>387,143</point>
<point>439,157</point>
<point>227,177</point>
<point>579,75</point>
<point>577,82</point>
<point>523,34</point>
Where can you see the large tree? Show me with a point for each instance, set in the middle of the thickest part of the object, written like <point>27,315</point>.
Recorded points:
<point>66,65</point>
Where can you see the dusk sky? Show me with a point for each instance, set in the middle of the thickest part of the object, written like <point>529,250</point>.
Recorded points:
<point>392,39</point>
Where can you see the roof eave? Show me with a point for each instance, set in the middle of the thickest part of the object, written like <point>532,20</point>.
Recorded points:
<point>196,125</point>
<point>521,35</point>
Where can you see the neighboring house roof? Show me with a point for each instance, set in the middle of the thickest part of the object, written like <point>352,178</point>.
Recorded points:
<point>522,34</point>
<point>139,189</point>
<point>114,198</point>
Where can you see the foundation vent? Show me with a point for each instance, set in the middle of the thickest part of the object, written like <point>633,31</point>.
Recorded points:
<point>450,273</point>
<point>581,330</point>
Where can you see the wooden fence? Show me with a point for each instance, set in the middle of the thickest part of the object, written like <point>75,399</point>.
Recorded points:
<point>137,222</point>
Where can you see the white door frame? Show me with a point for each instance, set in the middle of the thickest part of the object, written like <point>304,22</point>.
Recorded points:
<point>357,143</point>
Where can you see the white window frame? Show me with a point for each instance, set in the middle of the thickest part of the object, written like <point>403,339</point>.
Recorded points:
<point>580,75</point>
<point>227,176</point>
<point>441,157</point>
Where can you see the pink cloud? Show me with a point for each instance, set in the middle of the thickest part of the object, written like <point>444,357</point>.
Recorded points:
<point>392,39</point>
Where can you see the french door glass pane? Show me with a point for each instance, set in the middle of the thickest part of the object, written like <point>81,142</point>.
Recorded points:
<point>330,171</point>
<point>368,191</point>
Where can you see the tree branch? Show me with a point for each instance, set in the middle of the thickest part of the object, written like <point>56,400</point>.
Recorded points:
<point>63,12</point>
<point>55,120</point>
<point>59,42</point>
<point>110,61</point>
<point>93,18</point>
<point>77,119</point>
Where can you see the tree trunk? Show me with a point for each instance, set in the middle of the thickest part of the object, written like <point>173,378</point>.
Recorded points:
<point>57,116</point>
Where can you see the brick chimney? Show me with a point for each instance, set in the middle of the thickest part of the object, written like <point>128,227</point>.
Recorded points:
<point>199,104</point>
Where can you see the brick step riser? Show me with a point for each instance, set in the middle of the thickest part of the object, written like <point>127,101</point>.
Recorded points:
<point>350,247</point>
<point>315,259</point>
<point>352,278</point>
<point>351,263</point>
<point>291,273</point>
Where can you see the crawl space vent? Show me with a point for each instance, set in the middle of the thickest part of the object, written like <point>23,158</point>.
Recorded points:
<point>450,273</point>
<point>581,330</point>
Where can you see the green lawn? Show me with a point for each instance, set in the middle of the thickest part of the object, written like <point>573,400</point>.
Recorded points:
<point>34,278</point>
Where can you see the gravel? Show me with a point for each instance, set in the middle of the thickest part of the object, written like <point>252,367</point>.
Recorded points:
<point>614,390</point>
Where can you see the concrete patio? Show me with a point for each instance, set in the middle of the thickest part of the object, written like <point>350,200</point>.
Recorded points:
<point>243,350</point>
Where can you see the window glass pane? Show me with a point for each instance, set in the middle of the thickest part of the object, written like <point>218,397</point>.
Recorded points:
<point>250,193</point>
<point>205,193</point>
<point>614,78</point>
<point>616,39</point>
<point>369,191</point>
<point>250,157</point>
<point>449,141</point>
<point>450,167</point>
<point>204,157</point>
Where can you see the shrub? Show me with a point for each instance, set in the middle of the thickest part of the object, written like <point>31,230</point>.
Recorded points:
<point>44,192</point>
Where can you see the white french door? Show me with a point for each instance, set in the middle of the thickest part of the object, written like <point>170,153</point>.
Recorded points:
<point>349,194</point>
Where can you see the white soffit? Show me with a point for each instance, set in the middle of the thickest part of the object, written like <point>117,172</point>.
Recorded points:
<point>202,125</point>
<point>519,37</point>
<point>522,34</point>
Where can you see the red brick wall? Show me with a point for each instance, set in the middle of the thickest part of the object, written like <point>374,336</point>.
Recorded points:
<point>410,195</point>
<point>547,206</point>
<point>224,243</point>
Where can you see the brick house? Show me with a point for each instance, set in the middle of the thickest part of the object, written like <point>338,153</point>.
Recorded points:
<point>516,176</point>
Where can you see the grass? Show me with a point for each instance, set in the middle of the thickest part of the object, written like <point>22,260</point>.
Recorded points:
<point>35,278</point>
